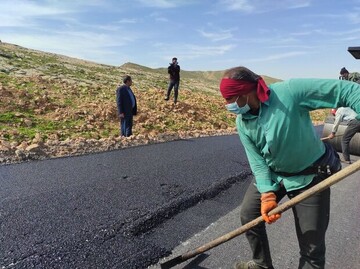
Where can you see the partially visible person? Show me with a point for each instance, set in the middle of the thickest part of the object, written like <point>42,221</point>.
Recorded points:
<point>285,156</point>
<point>353,126</point>
<point>174,79</point>
<point>126,105</point>
<point>354,76</point>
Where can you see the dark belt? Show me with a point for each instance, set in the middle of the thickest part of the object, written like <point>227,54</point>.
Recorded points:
<point>307,171</point>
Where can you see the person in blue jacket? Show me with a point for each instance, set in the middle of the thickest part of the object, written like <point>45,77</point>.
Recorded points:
<point>285,155</point>
<point>126,105</point>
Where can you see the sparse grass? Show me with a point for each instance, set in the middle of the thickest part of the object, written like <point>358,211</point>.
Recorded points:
<point>9,117</point>
<point>54,95</point>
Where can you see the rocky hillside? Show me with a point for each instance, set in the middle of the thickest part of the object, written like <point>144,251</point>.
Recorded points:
<point>53,105</point>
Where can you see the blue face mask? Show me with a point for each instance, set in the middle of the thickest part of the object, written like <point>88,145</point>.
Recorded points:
<point>236,109</point>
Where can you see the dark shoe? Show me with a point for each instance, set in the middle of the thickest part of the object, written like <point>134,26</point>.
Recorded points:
<point>344,161</point>
<point>246,265</point>
<point>166,99</point>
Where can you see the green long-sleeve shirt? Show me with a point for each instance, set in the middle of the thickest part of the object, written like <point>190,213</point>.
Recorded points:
<point>281,138</point>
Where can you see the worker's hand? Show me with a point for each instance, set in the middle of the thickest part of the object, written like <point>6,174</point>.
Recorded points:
<point>122,115</point>
<point>268,203</point>
<point>331,136</point>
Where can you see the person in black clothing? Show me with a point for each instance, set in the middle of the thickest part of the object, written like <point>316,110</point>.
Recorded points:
<point>174,72</point>
<point>126,104</point>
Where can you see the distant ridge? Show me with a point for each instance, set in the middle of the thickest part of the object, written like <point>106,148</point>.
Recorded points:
<point>210,76</point>
<point>49,99</point>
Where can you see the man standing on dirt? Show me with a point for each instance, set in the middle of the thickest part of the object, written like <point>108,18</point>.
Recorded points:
<point>285,155</point>
<point>174,79</point>
<point>126,104</point>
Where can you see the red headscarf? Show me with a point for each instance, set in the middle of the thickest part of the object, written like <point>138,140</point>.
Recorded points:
<point>232,87</point>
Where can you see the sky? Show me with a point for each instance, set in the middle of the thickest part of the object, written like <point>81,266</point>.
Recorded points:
<point>278,38</point>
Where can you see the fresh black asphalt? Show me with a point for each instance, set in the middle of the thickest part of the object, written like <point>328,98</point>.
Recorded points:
<point>116,209</point>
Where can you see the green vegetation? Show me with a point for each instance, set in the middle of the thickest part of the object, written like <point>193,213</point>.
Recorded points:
<point>58,97</point>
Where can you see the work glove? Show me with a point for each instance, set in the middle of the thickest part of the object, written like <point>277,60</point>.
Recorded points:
<point>268,203</point>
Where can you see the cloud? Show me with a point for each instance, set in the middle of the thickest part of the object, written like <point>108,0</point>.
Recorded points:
<point>342,17</point>
<point>196,50</point>
<point>278,56</point>
<point>165,3</point>
<point>158,17</point>
<point>353,17</point>
<point>217,36</point>
<point>25,13</point>
<point>44,13</point>
<point>12,21</point>
<point>30,9</point>
<point>126,21</point>
<point>332,33</point>
<point>188,52</point>
<point>297,4</point>
<point>304,33</point>
<point>260,6</point>
<point>291,46</point>
<point>84,45</point>
<point>161,19</point>
<point>237,5</point>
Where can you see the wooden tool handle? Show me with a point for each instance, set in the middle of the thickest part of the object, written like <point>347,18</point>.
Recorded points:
<point>326,183</point>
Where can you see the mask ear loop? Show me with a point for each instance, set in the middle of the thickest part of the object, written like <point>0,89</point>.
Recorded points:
<point>247,100</point>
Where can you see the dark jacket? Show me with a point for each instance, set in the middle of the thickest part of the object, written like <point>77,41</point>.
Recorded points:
<point>123,101</point>
<point>174,72</point>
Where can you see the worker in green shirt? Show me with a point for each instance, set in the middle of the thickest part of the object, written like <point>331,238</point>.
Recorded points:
<point>285,155</point>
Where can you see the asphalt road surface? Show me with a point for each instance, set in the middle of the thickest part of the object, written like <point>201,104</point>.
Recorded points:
<point>108,210</point>
<point>128,208</point>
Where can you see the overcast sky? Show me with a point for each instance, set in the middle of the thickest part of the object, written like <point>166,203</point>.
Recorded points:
<point>279,38</point>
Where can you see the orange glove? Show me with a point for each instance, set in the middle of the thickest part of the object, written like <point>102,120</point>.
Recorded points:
<point>268,203</point>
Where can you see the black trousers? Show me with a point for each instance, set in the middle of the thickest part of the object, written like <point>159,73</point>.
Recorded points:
<point>352,128</point>
<point>126,125</point>
<point>173,84</point>
<point>311,222</point>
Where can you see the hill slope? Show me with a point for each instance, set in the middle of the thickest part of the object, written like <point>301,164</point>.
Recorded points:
<point>49,100</point>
